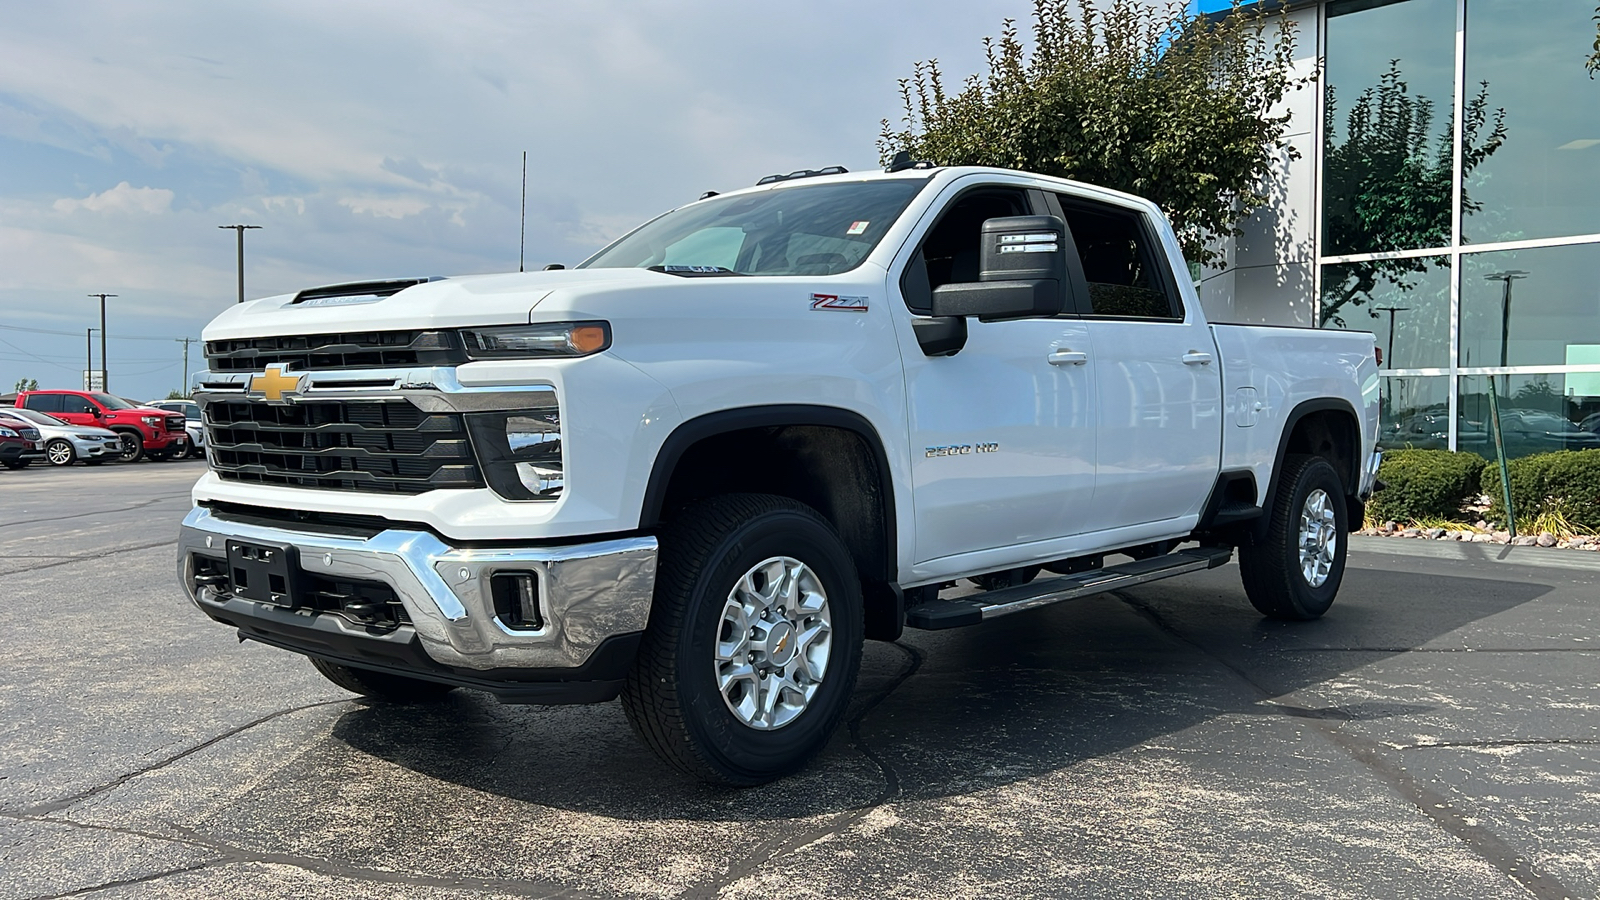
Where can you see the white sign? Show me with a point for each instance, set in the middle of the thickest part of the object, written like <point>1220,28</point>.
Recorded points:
<point>94,380</point>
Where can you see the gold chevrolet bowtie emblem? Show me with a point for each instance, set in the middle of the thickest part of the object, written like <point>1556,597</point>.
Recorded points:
<point>273,383</point>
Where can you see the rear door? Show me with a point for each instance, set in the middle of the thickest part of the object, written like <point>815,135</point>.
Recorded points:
<point>1002,432</point>
<point>1158,384</point>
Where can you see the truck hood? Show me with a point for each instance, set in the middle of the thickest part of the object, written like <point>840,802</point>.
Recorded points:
<point>473,300</point>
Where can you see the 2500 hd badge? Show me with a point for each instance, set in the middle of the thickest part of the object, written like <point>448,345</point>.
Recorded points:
<point>961,449</point>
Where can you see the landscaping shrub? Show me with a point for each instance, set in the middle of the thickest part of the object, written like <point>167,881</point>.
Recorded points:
<point>1565,483</point>
<point>1425,484</point>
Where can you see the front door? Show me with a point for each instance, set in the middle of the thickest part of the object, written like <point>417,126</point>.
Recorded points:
<point>1002,432</point>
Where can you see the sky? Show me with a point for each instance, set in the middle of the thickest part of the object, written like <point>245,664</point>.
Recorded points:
<point>376,140</point>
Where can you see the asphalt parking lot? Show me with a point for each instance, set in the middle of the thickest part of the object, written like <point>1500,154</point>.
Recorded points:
<point>1438,734</point>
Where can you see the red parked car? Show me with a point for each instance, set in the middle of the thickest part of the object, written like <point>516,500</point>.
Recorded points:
<point>143,430</point>
<point>18,444</point>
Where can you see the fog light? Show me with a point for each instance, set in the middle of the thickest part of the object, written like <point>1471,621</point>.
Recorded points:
<point>516,600</point>
<point>520,452</point>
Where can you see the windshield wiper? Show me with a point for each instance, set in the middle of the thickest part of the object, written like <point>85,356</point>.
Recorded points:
<point>696,271</point>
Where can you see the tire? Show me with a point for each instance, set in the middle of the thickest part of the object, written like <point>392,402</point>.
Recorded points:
<point>1280,582</point>
<point>672,696</point>
<point>132,446</point>
<point>60,453</point>
<point>381,685</point>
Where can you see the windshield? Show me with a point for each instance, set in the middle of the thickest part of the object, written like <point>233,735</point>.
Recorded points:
<point>110,402</point>
<point>818,229</point>
<point>34,416</point>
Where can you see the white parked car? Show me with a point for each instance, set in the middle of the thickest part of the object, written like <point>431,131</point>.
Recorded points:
<point>193,422</point>
<point>701,467</point>
<point>66,443</point>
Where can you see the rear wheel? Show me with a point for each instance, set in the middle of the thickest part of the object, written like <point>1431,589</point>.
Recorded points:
<point>381,685</point>
<point>753,644</point>
<point>1294,573</point>
<point>60,453</point>
<point>132,446</point>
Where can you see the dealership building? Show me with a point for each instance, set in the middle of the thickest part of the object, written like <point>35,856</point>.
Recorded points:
<point>1444,193</point>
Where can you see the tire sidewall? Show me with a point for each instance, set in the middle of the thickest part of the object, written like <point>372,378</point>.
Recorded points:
<point>1308,600</point>
<point>132,446</point>
<point>736,745</point>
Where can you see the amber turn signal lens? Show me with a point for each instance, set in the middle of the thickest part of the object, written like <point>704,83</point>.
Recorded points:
<point>588,338</point>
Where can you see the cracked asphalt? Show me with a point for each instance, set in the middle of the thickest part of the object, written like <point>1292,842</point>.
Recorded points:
<point>1437,734</point>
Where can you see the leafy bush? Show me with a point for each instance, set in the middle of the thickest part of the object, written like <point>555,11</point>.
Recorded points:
<point>1425,484</point>
<point>1564,484</point>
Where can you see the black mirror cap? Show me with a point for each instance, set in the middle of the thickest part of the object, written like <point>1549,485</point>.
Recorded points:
<point>941,336</point>
<point>997,301</point>
<point>1023,248</point>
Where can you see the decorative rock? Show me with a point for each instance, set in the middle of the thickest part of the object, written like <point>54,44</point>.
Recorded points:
<point>1502,537</point>
<point>1546,539</point>
<point>1481,524</point>
<point>1523,540</point>
<point>1411,532</point>
<point>1391,526</point>
<point>1436,533</point>
<point>1482,538</point>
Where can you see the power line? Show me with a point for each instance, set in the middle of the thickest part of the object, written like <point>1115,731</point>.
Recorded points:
<point>115,337</point>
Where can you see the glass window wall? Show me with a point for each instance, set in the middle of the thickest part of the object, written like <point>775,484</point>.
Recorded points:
<point>1527,59</point>
<point>1390,88</point>
<point>1414,412</point>
<point>1538,413</point>
<point>1531,307</point>
<point>1405,302</point>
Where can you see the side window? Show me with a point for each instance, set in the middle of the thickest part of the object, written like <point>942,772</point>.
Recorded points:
<point>1123,269</point>
<point>73,404</point>
<point>949,251</point>
<point>45,403</point>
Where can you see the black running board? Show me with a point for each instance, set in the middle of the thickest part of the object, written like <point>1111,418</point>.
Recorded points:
<point>971,610</point>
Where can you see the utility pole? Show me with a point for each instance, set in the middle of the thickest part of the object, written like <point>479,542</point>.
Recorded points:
<point>105,379</point>
<point>522,235</point>
<point>240,229</point>
<point>184,388</point>
<point>1508,276</point>
<point>1388,355</point>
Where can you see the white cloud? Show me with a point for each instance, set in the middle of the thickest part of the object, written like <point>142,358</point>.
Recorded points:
<point>386,207</point>
<point>123,198</point>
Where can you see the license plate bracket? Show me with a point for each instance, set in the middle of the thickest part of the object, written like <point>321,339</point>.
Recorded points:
<point>264,571</point>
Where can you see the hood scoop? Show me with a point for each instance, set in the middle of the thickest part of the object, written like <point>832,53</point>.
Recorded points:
<point>356,291</point>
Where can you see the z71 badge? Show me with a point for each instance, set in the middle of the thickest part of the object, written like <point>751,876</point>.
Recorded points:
<point>836,302</point>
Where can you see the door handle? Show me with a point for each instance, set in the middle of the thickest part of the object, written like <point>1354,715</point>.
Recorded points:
<point>1068,358</point>
<point>1197,358</point>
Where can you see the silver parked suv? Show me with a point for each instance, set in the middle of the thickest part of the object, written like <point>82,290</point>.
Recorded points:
<point>192,421</point>
<point>65,443</point>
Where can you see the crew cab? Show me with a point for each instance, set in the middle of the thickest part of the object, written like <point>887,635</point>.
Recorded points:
<point>143,431</point>
<point>699,468</point>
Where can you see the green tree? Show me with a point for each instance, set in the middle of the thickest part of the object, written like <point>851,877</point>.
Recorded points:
<point>1388,184</point>
<point>1594,60</point>
<point>1149,99</point>
<point>26,384</point>
<point>177,395</point>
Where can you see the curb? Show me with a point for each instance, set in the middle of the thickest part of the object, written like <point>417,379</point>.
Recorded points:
<point>1505,554</point>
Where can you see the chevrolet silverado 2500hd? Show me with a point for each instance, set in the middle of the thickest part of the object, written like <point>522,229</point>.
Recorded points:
<point>698,469</point>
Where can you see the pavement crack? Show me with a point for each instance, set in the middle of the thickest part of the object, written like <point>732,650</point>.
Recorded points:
<point>1433,804</point>
<point>98,555</point>
<point>44,809</point>
<point>123,882</point>
<point>99,512</point>
<point>772,848</point>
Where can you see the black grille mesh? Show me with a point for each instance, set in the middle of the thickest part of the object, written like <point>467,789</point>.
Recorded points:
<point>350,350</point>
<point>372,446</point>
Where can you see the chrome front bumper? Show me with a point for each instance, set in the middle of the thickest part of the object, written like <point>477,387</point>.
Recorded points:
<point>588,592</point>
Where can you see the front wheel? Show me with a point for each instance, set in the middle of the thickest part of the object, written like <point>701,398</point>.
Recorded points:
<point>754,640</point>
<point>1295,571</point>
<point>60,453</point>
<point>132,446</point>
<point>381,685</point>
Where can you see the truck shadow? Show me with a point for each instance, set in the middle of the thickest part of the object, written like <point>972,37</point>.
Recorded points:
<point>949,713</point>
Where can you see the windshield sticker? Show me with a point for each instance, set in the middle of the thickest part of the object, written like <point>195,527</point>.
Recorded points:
<point>836,302</point>
<point>857,228</point>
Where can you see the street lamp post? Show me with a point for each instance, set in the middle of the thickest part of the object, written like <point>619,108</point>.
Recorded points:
<point>105,379</point>
<point>240,230</point>
<point>1505,277</point>
<point>1388,353</point>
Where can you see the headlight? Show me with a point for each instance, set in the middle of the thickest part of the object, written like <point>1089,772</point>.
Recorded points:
<point>6,432</point>
<point>152,421</point>
<point>548,339</point>
<point>520,452</point>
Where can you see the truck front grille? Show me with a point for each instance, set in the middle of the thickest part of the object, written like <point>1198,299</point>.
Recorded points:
<point>386,447</point>
<point>350,350</point>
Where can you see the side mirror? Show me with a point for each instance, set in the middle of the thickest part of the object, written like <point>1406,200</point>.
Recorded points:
<point>1022,272</point>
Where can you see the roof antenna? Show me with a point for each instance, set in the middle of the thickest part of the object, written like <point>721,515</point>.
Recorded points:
<point>901,162</point>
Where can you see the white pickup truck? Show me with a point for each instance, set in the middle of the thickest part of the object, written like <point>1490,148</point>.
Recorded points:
<point>698,469</point>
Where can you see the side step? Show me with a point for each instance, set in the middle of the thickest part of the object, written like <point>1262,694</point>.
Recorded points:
<point>980,607</point>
